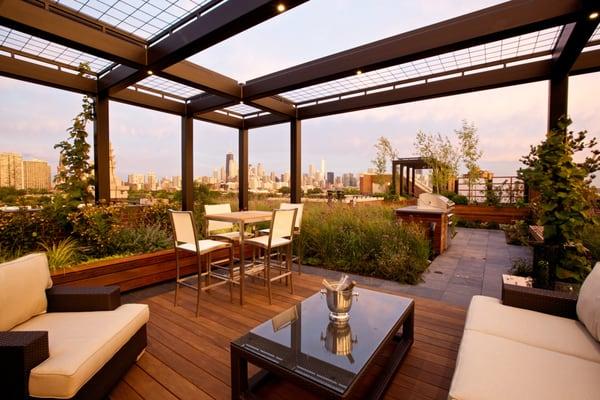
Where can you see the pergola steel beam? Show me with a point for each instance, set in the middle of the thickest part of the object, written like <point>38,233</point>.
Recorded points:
<point>295,161</point>
<point>221,119</point>
<point>30,72</point>
<point>525,73</point>
<point>570,43</point>
<point>275,105</point>
<point>226,20</point>
<point>193,75</point>
<point>60,25</point>
<point>101,150</point>
<point>243,169</point>
<point>206,102</point>
<point>187,163</point>
<point>487,25</point>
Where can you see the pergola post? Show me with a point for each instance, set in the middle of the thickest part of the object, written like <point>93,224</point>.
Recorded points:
<point>187,163</point>
<point>243,169</point>
<point>295,161</point>
<point>101,150</point>
<point>558,95</point>
<point>413,182</point>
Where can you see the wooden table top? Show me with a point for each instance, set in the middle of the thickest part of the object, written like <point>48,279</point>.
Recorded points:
<point>242,216</point>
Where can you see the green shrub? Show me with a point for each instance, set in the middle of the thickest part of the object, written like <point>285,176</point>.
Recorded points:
<point>521,267</point>
<point>365,240</point>
<point>456,198</point>
<point>61,254</point>
<point>591,240</point>
<point>138,240</point>
<point>517,233</point>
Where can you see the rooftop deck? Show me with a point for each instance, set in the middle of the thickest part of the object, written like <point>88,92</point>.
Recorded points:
<point>188,357</point>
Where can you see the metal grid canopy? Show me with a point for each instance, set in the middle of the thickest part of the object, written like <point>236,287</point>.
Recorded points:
<point>143,18</point>
<point>522,47</point>
<point>168,88</point>
<point>244,109</point>
<point>23,44</point>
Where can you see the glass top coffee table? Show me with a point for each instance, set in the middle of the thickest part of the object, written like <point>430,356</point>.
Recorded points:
<point>301,345</point>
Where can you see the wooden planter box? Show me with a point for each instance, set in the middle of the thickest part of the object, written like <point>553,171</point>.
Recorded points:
<point>132,272</point>
<point>500,215</point>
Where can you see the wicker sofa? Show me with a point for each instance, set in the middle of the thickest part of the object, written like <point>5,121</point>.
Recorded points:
<point>63,342</point>
<point>514,351</point>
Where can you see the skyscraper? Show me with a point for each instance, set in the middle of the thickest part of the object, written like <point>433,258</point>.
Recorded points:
<point>260,170</point>
<point>228,158</point>
<point>36,174</point>
<point>330,178</point>
<point>11,170</point>
<point>323,168</point>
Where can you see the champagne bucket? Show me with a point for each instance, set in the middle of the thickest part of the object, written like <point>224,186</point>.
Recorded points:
<point>339,303</point>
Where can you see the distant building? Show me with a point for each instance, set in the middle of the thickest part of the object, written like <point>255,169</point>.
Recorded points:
<point>368,185</point>
<point>117,189</point>
<point>330,178</point>
<point>36,174</point>
<point>11,170</point>
<point>151,181</point>
<point>228,159</point>
<point>176,182</point>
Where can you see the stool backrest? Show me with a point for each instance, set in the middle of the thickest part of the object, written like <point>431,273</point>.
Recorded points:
<point>184,227</point>
<point>282,224</point>
<point>214,226</point>
<point>297,206</point>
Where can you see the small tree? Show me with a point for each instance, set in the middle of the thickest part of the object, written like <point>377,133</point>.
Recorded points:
<point>440,155</point>
<point>385,152</point>
<point>564,187</point>
<point>75,176</point>
<point>470,153</point>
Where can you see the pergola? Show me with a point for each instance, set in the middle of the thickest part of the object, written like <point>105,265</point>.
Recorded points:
<point>137,55</point>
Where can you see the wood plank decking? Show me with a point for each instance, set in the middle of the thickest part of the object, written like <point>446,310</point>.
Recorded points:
<point>188,357</point>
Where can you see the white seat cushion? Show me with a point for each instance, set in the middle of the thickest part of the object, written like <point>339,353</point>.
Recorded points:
<point>263,241</point>
<point>23,284</point>
<point>206,245</point>
<point>588,303</point>
<point>546,331</point>
<point>80,344</point>
<point>495,368</point>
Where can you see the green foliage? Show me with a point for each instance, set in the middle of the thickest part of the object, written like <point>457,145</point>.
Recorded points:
<point>21,231</point>
<point>76,176</point>
<point>385,152</point>
<point>365,240</point>
<point>441,156</point>
<point>564,187</point>
<point>284,190</point>
<point>63,254</point>
<point>517,233</point>
<point>456,198</point>
<point>140,239</point>
<point>492,193</point>
<point>521,267</point>
<point>470,153</point>
<point>591,240</point>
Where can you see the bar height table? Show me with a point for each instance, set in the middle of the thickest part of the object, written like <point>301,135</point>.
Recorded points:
<point>242,218</point>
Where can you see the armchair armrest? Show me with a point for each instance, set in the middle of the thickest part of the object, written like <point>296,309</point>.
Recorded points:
<point>562,304</point>
<point>20,352</point>
<point>74,299</point>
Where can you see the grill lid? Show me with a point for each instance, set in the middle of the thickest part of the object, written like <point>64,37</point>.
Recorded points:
<point>430,200</point>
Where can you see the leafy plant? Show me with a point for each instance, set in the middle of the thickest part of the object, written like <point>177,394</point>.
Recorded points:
<point>441,156</point>
<point>521,267</point>
<point>470,152</point>
<point>75,176</point>
<point>564,188</point>
<point>138,240</point>
<point>517,233</point>
<point>385,152</point>
<point>62,254</point>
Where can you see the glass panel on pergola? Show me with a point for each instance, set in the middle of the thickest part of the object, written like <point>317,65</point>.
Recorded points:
<point>535,45</point>
<point>142,18</point>
<point>159,85</point>
<point>34,49</point>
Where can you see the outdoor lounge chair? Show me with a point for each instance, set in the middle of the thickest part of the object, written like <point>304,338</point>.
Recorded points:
<point>63,342</point>
<point>517,352</point>
<point>297,227</point>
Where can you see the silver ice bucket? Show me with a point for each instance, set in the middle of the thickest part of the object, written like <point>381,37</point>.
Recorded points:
<point>339,303</point>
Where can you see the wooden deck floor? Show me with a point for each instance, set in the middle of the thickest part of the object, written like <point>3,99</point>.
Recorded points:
<point>188,357</point>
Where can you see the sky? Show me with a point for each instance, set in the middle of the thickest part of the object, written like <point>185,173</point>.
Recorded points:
<point>33,118</point>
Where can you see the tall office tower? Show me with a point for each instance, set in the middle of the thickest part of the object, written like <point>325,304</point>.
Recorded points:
<point>286,177</point>
<point>223,174</point>
<point>36,174</point>
<point>330,178</point>
<point>347,180</point>
<point>11,170</point>
<point>323,168</point>
<point>117,189</point>
<point>216,176</point>
<point>311,170</point>
<point>151,181</point>
<point>135,179</point>
<point>272,175</point>
<point>260,170</point>
<point>231,170</point>
<point>228,158</point>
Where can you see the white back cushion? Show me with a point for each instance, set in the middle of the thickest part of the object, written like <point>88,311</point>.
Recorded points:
<point>588,304</point>
<point>22,289</point>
